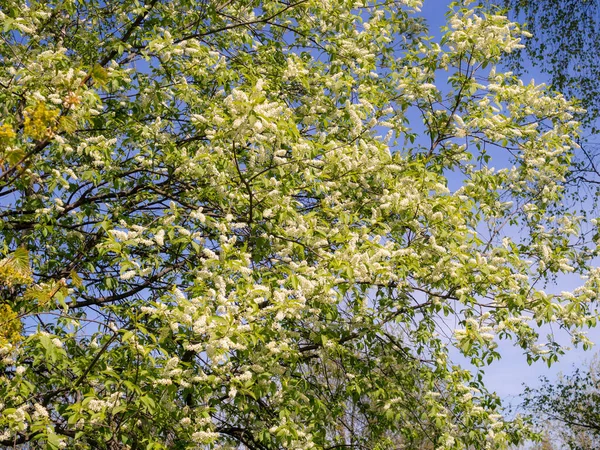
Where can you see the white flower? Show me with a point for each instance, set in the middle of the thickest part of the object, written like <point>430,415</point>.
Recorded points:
<point>120,235</point>
<point>487,336</point>
<point>160,237</point>
<point>96,405</point>
<point>247,375</point>
<point>40,412</point>
<point>204,436</point>
<point>128,275</point>
<point>232,392</point>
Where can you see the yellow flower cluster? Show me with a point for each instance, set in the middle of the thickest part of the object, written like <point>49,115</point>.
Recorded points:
<point>39,121</point>
<point>10,326</point>
<point>14,269</point>
<point>6,132</point>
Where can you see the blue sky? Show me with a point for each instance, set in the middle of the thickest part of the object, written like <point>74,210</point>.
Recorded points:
<point>507,376</point>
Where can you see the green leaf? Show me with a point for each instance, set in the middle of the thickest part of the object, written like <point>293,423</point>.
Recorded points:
<point>99,74</point>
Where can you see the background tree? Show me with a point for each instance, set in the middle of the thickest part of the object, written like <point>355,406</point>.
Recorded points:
<point>544,443</point>
<point>571,407</point>
<point>249,224</point>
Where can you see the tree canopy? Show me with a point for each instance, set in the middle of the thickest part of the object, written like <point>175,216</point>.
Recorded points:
<point>263,224</point>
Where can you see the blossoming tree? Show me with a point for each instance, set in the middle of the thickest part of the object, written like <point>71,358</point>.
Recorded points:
<point>563,45</point>
<point>249,224</point>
